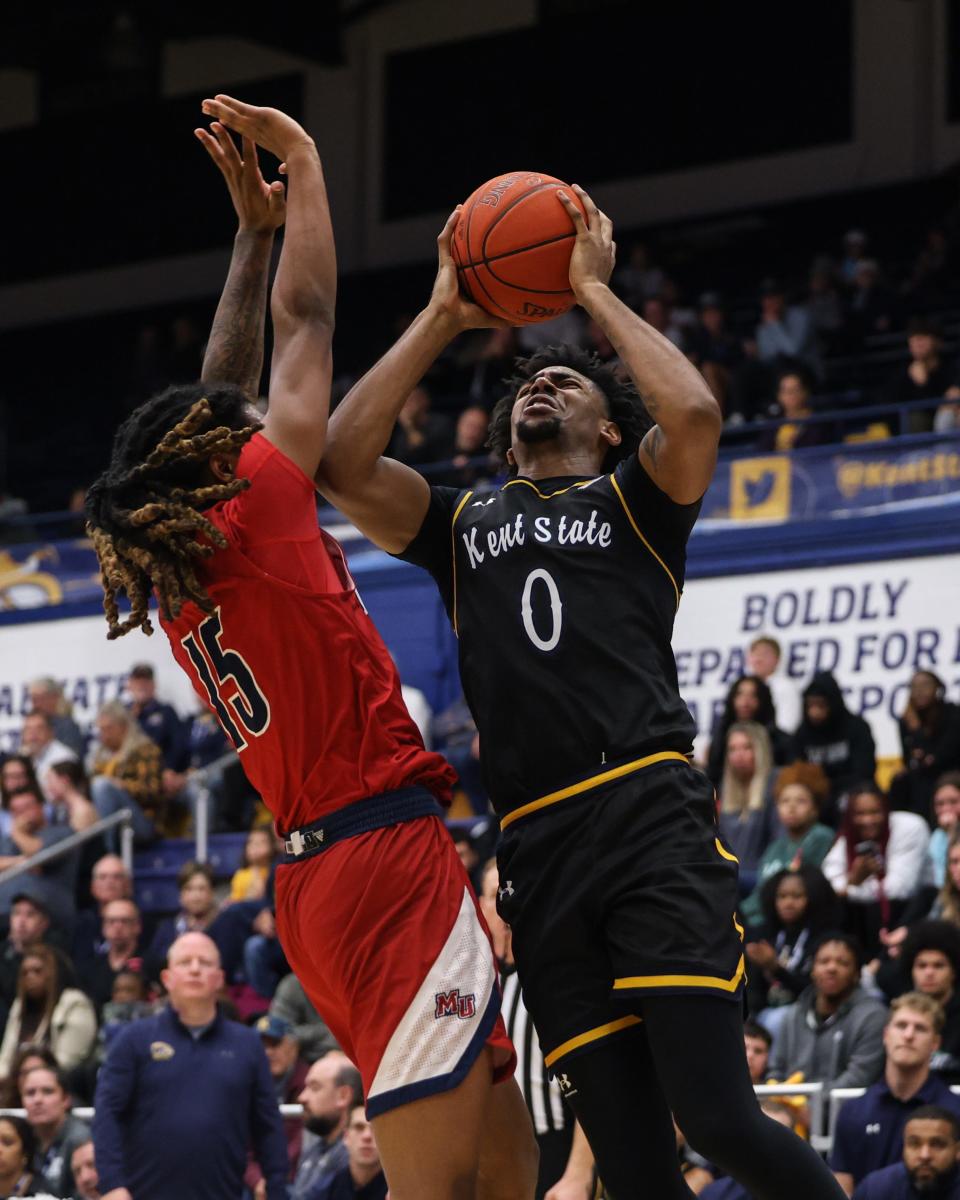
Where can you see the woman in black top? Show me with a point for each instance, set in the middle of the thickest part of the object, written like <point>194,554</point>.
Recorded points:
<point>798,905</point>
<point>749,699</point>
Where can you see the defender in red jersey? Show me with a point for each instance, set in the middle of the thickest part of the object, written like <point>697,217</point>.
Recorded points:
<point>215,514</point>
<point>290,661</point>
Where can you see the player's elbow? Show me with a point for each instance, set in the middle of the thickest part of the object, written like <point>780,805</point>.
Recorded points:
<point>293,307</point>
<point>702,413</point>
<point>342,475</point>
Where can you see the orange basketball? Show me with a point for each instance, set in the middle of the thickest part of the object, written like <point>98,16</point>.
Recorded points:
<point>512,247</point>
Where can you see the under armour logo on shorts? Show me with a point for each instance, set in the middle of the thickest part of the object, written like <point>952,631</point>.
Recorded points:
<point>506,890</point>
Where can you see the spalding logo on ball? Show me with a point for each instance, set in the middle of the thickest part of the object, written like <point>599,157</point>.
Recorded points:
<point>512,247</point>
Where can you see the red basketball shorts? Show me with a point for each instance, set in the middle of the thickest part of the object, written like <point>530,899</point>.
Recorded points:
<point>384,932</point>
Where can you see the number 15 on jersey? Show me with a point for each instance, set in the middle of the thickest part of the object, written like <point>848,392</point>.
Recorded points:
<point>235,696</point>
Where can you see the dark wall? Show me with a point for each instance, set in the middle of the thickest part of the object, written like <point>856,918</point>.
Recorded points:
<point>952,53</point>
<point>611,96</point>
<point>120,184</point>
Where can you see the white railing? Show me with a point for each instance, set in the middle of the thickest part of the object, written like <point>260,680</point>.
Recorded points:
<point>203,801</point>
<point>839,1096</point>
<point>121,817</point>
<point>822,1143</point>
<point>814,1091</point>
<point>85,1113</point>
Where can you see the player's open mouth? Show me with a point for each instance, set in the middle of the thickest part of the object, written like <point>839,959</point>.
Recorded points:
<point>544,403</point>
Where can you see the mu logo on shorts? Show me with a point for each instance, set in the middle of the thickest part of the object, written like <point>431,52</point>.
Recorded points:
<point>452,1004</point>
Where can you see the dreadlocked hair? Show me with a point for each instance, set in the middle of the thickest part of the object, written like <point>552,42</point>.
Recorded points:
<point>624,402</point>
<point>145,512</point>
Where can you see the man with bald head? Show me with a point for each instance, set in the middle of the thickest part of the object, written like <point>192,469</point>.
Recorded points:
<point>110,881</point>
<point>331,1090</point>
<point>183,1093</point>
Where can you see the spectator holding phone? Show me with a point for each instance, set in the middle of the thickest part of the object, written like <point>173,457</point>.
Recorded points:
<point>876,863</point>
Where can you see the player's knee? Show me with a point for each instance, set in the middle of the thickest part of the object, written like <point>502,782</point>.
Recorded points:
<point>715,1132</point>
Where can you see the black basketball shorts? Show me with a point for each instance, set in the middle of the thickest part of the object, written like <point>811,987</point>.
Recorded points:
<point>620,892</point>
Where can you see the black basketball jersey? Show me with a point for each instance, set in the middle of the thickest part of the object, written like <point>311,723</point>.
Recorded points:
<point>563,594</point>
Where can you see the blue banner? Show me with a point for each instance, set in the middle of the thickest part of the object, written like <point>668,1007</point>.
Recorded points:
<point>819,482</point>
<point>907,479</point>
<point>50,573</point>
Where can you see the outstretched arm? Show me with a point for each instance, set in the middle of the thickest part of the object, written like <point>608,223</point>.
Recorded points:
<point>235,348</point>
<point>680,452</point>
<point>304,292</point>
<point>386,499</point>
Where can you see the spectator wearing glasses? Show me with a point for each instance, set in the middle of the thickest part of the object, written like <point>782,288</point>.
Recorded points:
<point>120,950</point>
<point>110,880</point>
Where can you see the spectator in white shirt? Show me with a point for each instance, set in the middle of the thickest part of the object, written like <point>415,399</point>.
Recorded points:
<point>38,741</point>
<point>46,696</point>
<point>877,862</point>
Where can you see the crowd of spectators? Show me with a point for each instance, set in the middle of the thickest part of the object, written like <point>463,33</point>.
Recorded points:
<point>860,323</point>
<point>851,915</point>
<point>850,903</point>
<point>91,985</point>
<point>766,356</point>
<point>850,890</point>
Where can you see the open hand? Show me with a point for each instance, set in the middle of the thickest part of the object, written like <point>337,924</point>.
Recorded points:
<point>447,299</point>
<point>268,127</point>
<point>594,251</point>
<point>261,206</point>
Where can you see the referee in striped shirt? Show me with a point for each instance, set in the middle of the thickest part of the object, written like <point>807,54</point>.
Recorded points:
<point>566,1162</point>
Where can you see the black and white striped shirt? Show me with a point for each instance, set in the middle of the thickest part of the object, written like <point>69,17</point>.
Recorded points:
<point>540,1091</point>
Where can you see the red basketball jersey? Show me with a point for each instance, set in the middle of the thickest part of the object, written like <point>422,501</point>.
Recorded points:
<point>289,660</point>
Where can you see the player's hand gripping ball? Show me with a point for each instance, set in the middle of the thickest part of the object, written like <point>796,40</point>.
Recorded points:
<point>512,247</point>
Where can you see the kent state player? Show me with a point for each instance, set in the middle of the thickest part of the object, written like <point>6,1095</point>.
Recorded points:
<point>562,588</point>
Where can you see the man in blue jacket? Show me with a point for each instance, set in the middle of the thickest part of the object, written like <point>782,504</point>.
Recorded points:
<point>931,1151</point>
<point>869,1130</point>
<point>182,1095</point>
<point>158,721</point>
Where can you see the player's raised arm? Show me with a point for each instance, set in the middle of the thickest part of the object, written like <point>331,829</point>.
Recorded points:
<point>386,499</point>
<point>304,292</point>
<point>235,347</point>
<point>680,452</point>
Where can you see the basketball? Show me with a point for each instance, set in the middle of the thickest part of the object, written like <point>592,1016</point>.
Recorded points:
<point>512,247</point>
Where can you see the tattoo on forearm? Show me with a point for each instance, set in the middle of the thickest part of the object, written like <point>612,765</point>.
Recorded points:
<point>235,350</point>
